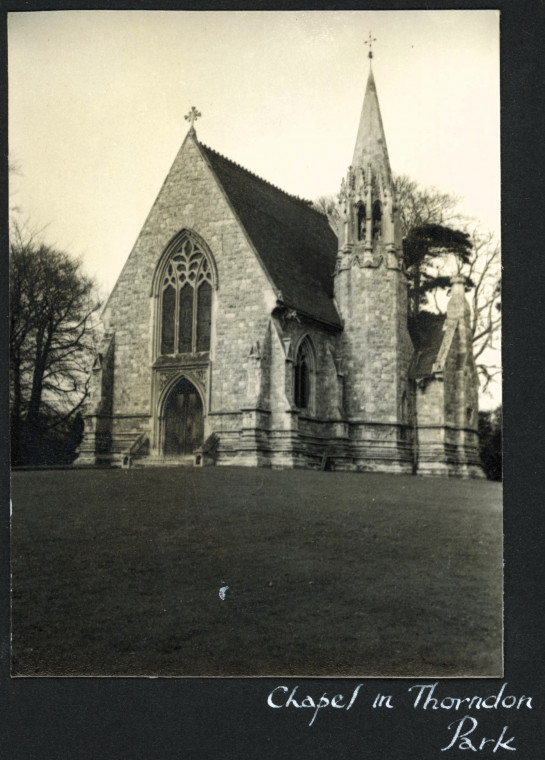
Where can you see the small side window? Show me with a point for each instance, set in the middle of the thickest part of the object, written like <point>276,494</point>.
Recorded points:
<point>304,376</point>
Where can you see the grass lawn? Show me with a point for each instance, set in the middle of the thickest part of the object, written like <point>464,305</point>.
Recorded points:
<point>118,572</point>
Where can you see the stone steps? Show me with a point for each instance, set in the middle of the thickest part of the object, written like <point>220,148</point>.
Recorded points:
<point>165,461</point>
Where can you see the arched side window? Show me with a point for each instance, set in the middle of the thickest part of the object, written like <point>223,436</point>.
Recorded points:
<point>362,221</point>
<point>304,376</point>
<point>377,219</point>
<point>186,300</point>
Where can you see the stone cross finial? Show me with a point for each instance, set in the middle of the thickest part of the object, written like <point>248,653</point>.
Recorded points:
<point>192,116</point>
<point>370,43</point>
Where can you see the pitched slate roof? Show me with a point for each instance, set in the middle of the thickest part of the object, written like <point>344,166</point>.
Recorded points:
<point>294,241</point>
<point>427,335</point>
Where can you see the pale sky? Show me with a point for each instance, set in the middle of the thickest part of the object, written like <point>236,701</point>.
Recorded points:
<point>97,103</point>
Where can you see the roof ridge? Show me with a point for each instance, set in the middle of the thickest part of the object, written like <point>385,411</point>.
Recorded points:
<point>306,203</point>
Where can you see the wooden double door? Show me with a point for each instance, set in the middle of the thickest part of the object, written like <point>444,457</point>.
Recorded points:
<point>184,419</point>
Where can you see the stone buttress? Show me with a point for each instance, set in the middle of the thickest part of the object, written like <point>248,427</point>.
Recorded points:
<point>446,425</point>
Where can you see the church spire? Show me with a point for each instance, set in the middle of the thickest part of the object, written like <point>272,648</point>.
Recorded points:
<point>370,149</point>
<point>369,218</point>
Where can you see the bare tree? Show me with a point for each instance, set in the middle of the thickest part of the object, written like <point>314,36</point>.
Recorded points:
<point>439,242</point>
<point>424,206</point>
<point>484,273</point>
<point>329,206</point>
<point>419,206</point>
<point>52,310</point>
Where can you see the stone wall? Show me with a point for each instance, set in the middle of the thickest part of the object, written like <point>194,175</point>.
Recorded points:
<point>447,440</point>
<point>189,199</point>
<point>376,351</point>
<point>362,405</point>
<point>274,431</point>
<point>376,347</point>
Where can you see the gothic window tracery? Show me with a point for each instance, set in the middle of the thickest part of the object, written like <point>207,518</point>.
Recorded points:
<point>186,300</point>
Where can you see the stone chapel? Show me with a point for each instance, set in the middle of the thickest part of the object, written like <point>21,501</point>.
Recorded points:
<point>244,330</point>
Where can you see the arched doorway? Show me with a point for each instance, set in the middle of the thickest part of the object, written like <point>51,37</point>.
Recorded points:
<point>184,422</point>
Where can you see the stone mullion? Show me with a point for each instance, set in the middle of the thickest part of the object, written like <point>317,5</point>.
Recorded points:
<point>194,319</point>
<point>177,317</point>
<point>195,306</point>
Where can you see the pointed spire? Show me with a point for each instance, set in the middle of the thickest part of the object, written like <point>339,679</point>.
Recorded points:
<point>370,145</point>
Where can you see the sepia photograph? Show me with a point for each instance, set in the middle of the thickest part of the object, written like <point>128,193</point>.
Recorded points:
<point>255,344</point>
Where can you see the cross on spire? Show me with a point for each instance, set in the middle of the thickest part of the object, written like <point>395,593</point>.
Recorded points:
<point>192,116</point>
<point>370,43</point>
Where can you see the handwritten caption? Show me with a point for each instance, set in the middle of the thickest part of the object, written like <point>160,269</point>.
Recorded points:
<point>465,732</point>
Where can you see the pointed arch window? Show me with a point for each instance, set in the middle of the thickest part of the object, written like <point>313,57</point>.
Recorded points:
<point>362,222</point>
<point>186,300</point>
<point>304,376</point>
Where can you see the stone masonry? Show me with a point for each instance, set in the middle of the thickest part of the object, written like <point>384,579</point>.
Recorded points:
<point>309,361</point>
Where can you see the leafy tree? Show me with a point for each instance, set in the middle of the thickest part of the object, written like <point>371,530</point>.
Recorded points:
<point>425,246</point>
<point>52,309</point>
<point>431,239</point>
<point>437,243</point>
<point>424,214</point>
